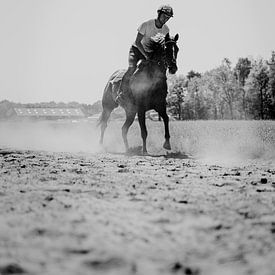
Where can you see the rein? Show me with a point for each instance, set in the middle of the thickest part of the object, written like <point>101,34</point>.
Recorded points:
<point>170,41</point>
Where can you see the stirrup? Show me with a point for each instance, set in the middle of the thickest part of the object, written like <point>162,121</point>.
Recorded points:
<point>119,98</point>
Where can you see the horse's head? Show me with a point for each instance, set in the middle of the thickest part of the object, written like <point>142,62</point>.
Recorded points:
<point>164,51</point>
<point>171,52</point>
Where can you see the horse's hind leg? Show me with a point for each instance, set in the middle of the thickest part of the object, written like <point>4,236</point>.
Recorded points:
<point>130,116</point>
<point>103,121</point>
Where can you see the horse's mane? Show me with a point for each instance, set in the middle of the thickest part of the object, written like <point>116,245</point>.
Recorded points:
<point>156,42</point>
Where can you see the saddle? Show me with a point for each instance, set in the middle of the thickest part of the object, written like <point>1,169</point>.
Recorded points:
<point>117,77</point>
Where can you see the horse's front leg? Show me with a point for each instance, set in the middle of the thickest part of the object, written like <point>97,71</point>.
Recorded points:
<point>141,120</point>
<point>165,118</point>
<point>130,117</point>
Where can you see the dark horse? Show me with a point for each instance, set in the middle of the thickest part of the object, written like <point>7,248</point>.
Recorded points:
<point>148,89</point>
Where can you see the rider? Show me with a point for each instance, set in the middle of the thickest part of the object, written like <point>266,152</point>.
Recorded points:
<point>139,49</point>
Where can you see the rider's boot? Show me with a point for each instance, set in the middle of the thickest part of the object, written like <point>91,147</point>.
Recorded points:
<point>120,97</point>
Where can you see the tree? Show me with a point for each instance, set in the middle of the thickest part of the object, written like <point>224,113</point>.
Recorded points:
<point>177,92</point>
<point>271,85</point>
<point>227,85</point>
<point>196,105</point>
<point>257,87</point>
<point>6,109</point>
<point>241,72</point>
<point>192,74</point>
<point>212,95</point>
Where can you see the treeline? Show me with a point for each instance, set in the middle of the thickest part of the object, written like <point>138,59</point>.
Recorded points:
<point>7,107</point>
<point>245,91</point>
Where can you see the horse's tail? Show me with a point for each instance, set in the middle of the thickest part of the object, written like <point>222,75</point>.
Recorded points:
<point>108,104</point>
<point>100,119</point>
<point>109,95</point>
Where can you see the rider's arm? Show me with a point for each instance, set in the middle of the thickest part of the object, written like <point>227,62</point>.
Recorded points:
<point>139,45</point>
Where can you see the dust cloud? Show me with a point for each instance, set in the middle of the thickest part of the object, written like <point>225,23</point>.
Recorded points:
<point>216,142</point>
<point>226,141</point>
<point>52,136</point>
<point>219,142</point>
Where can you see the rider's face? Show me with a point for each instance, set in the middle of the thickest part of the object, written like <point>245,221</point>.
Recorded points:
<point>163,18</point>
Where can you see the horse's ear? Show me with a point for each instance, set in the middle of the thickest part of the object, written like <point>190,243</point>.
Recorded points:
<point>176,37</point>
<point>167,37</point>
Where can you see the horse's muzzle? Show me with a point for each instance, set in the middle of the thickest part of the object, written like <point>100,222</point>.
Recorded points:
<point>172,68</point>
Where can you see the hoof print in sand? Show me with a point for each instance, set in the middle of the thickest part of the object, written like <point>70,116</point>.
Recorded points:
<point>78,251</point>
<point>12,269</point>
<point>105,264</point>
<point>186,270</point>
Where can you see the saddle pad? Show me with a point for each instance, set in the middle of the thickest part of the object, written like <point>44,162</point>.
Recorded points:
<point>117,76</point>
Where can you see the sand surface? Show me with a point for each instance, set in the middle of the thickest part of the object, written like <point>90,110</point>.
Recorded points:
<point>103,213</point>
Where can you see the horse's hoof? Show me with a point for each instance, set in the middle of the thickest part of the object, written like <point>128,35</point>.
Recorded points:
<point>167,145</point>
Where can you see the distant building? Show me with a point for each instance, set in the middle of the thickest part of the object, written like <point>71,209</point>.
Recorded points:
<point>49,113</point>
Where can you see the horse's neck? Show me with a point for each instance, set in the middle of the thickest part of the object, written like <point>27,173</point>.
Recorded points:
<point>154,70</point>
<point>157,55</point>
<point>155,65</point>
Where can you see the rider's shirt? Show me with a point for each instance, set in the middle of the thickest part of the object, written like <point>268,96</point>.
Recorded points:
<point>148,29</point>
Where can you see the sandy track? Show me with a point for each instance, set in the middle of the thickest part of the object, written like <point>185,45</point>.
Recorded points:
<point>63,213</point>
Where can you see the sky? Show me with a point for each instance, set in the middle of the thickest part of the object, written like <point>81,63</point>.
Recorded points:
<point>65,50</point>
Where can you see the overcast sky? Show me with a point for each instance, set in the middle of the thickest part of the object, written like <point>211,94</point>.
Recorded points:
<point>65,50</point>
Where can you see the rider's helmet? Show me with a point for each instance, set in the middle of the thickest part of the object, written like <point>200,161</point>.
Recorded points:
<point>166,9</point>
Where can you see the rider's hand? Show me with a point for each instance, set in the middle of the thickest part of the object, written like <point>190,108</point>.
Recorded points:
<point>146,56</point>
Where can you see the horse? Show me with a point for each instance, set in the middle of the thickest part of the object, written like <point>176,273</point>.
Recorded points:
<point>148,90</point>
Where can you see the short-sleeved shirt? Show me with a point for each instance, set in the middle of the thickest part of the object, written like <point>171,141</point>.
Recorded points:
<point>148,29</point>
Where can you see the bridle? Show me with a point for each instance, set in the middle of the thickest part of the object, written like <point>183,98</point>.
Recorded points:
<point>163,62</point>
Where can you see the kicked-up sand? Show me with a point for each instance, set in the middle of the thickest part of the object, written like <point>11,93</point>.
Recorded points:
<point>113,213</point>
